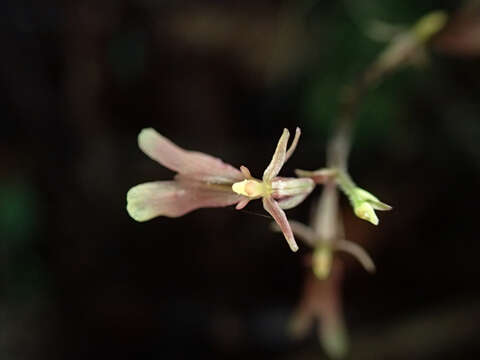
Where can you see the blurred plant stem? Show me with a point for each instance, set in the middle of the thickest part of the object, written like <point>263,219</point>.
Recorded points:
<point>408,47</point>
<point>404,49</point>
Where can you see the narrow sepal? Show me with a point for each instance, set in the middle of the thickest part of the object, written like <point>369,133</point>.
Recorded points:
<point>357,252</point>
<point>278,158</point>
<point>294,144</point>
<point>279,216</point>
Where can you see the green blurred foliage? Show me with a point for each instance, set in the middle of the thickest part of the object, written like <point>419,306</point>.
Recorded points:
<point>20,220</point>
<point>127,52</point>
<point>18,213</point>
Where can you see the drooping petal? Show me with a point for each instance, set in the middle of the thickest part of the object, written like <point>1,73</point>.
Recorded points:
<point>278,158</point>
<point>175,198</point>
<point>357,252</point>
<point>279,216</point>
<point>294,143</point>
<point>193,164</point>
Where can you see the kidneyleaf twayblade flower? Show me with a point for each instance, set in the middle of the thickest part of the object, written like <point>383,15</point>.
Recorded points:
<point>326,236</point>
<point>205,181</point>
<point>277,193</point>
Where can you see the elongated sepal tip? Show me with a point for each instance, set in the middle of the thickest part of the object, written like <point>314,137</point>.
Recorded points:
<point>357,252</point>
<point>292,244</point>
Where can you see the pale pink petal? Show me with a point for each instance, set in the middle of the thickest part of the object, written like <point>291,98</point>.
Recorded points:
<point>176,198</point>
<point>278,158</point>
<point>279,216</point>
<point>195,165</point>
<point>294,143</point>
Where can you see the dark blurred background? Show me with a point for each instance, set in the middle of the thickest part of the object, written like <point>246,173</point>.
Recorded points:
<point>82,280</point>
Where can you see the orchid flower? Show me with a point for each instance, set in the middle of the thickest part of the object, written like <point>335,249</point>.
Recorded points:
<point>277,193</point>
<point>322,256</point>
<point>326,235</point>
<point>206,181</point>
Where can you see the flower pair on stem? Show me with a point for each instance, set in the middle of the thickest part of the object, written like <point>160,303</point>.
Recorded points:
<point>206,181</point>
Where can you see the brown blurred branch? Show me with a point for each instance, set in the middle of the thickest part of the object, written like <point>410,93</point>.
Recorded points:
<point>406,48</point>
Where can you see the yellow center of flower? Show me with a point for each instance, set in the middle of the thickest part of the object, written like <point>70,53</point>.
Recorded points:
<point>250,188</point>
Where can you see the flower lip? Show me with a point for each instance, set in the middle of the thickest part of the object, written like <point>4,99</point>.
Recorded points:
<point>176,198</point>
<point>192,164</point>
<point>202,181</point>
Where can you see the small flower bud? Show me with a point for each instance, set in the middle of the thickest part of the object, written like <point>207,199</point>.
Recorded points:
<point>364,195</point>
<point>364,205</point>
<point>365,211</point>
